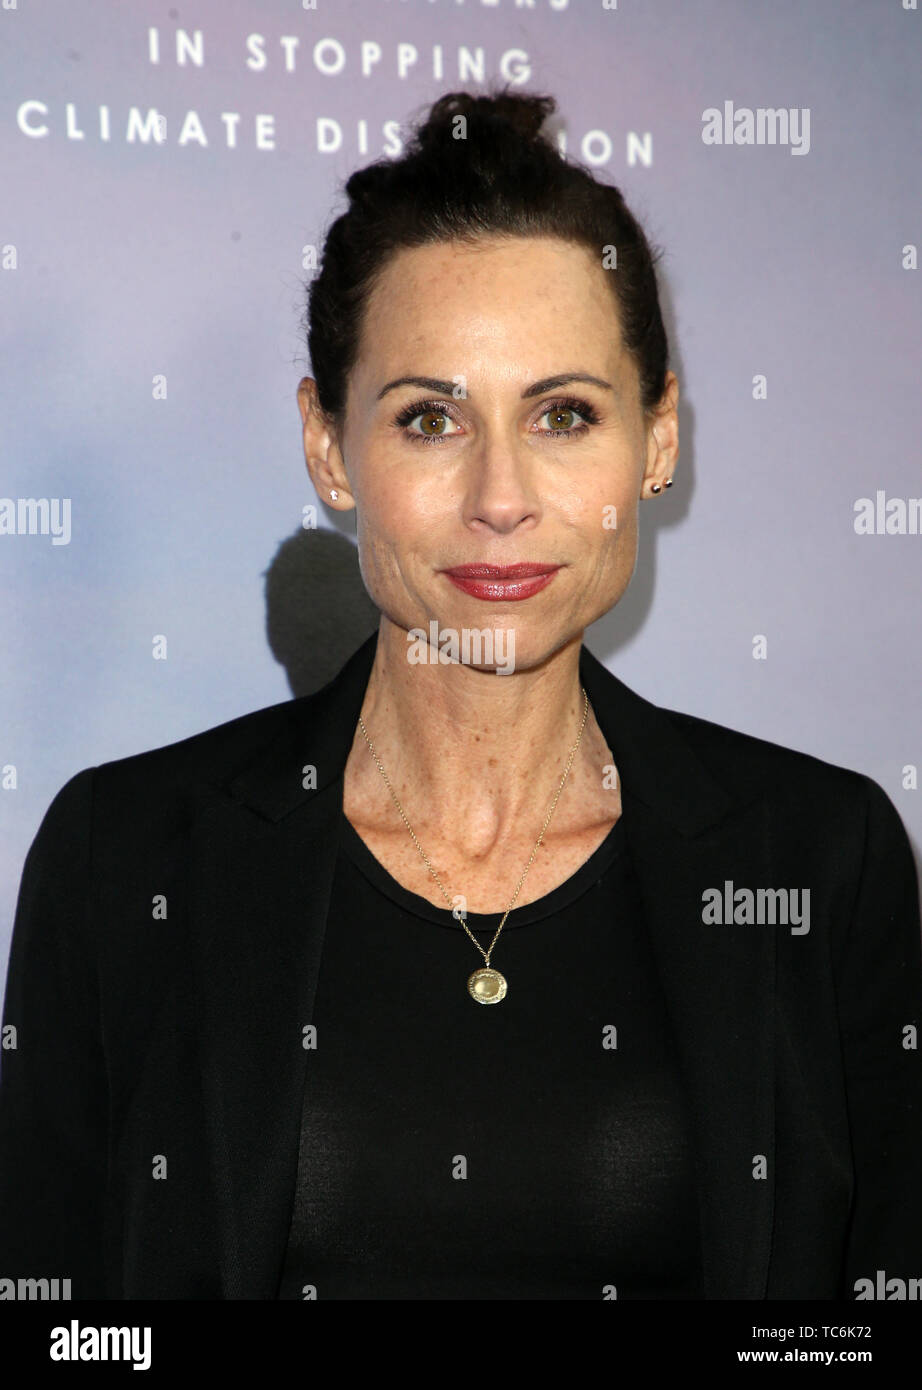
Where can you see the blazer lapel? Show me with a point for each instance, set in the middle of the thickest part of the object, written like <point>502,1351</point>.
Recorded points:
<point>686,834</point>
<point>263,855</point>
<point>263,858</point>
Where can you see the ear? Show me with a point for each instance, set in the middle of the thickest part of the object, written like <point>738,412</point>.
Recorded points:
<point>322,452</point>
<point>662,440</point>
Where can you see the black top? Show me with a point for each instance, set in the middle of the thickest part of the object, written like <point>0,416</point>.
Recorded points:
<point>537,1147</point>
<point>186,1040</point>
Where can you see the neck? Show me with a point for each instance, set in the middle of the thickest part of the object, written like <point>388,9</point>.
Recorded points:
<point>475,757</point>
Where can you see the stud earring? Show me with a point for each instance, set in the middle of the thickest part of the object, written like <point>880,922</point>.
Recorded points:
<point>655,487</point>
<point>668,482</point>
<point>334,496</point>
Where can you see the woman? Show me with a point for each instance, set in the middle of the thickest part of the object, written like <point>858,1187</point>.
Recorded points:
<point>475,974</point>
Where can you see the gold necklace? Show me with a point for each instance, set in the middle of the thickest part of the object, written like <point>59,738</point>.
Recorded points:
<point>486,985</point>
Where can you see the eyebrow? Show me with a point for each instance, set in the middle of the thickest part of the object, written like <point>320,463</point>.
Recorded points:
<point>537,388</point>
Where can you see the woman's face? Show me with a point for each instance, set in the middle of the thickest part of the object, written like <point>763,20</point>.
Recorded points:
<point>477,465</point>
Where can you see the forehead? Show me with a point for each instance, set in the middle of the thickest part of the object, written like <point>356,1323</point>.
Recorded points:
<point>515,305</point>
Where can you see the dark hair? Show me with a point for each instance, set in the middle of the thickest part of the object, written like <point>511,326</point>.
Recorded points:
<point>502,177</point>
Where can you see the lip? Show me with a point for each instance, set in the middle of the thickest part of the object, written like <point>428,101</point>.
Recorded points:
<point>502,583</point>
<point>523,570</point>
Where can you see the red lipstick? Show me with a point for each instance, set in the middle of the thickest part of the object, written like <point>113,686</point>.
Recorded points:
<point>502,583</point>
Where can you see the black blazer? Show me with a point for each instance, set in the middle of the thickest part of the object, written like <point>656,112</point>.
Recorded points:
<point>165,953</point>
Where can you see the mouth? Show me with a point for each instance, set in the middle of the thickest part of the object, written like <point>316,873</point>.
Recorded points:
<point>502,583</point>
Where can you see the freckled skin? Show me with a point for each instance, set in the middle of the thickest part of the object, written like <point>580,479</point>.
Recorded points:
<point>476,757</point>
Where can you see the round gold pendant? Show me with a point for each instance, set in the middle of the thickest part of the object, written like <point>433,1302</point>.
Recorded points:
<point>487,986</point>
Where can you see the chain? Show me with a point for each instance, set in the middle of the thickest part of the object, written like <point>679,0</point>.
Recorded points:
<point>547,820</point>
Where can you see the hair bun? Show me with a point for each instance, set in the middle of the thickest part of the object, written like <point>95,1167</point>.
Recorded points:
<point>495,173</point>
<point>518,114</point>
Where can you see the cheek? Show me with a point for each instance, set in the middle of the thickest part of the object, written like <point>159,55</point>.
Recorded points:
<point>394,523</point>
<point>603,514</point>
<point>402,503</point>
<point>625,516</point>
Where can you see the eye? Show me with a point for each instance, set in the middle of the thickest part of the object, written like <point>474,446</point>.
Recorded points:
<point>431,412</point>
<point>435,422</point>
<point>561,410</point>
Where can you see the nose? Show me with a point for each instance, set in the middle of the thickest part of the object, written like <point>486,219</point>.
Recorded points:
<point>502,486</point>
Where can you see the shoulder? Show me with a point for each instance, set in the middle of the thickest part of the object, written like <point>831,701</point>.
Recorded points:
<point>212,756</point>
<point>170,781</point>
<point>797,785</point>
<point>710,769</point>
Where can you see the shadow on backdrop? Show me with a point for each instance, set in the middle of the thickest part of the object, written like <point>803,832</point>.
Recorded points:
<point>317,607</point>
